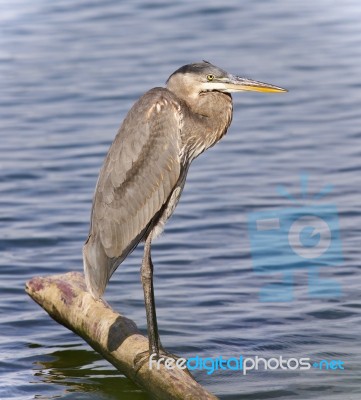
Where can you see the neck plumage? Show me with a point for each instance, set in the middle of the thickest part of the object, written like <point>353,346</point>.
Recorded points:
<point>206,120</point>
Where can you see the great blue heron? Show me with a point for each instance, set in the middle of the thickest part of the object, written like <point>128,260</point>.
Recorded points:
<point>144,172</point>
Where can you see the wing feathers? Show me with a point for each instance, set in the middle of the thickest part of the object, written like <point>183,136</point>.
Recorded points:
<point>139,173</point>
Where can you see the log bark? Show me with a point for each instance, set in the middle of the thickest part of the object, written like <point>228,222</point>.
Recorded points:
<point>115,337</point>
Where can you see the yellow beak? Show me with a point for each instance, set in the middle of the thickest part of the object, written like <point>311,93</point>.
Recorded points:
<point>237,84</point>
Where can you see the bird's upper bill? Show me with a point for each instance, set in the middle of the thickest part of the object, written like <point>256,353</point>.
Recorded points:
<point>233,83</point>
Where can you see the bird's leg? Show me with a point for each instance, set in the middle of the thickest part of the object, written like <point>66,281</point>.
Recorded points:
<point>148,289</point>
<point>155,347</point>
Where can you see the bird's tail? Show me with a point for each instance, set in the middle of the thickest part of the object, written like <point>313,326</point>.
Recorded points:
<point>96,268</point>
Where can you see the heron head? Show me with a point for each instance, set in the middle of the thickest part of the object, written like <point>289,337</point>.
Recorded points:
<point>193,79</point>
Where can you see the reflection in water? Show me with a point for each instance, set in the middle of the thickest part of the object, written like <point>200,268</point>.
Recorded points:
<point>82,372</point>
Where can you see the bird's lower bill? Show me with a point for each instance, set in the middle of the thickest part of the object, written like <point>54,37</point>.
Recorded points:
<point>243,84</point>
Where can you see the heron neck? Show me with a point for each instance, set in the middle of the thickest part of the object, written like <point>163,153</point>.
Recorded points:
<point>206,121</point>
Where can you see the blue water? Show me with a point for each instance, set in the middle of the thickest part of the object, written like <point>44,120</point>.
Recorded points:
<point>69,71</point>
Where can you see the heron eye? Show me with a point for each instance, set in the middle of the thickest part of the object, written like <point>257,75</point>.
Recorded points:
<point>210,77</point>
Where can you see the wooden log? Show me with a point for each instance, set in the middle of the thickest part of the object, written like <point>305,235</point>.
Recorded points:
<point>115,337</point>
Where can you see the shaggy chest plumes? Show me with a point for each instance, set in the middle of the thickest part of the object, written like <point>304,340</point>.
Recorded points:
<point>205,120</point>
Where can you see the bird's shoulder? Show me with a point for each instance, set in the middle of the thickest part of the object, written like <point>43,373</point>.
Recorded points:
<point>153,102</point>
<point>160,93</point>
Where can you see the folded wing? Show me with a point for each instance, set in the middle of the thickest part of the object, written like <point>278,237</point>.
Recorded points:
<point>139,174</point>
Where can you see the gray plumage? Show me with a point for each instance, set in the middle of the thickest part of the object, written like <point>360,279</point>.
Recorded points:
<point>145,169</point>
